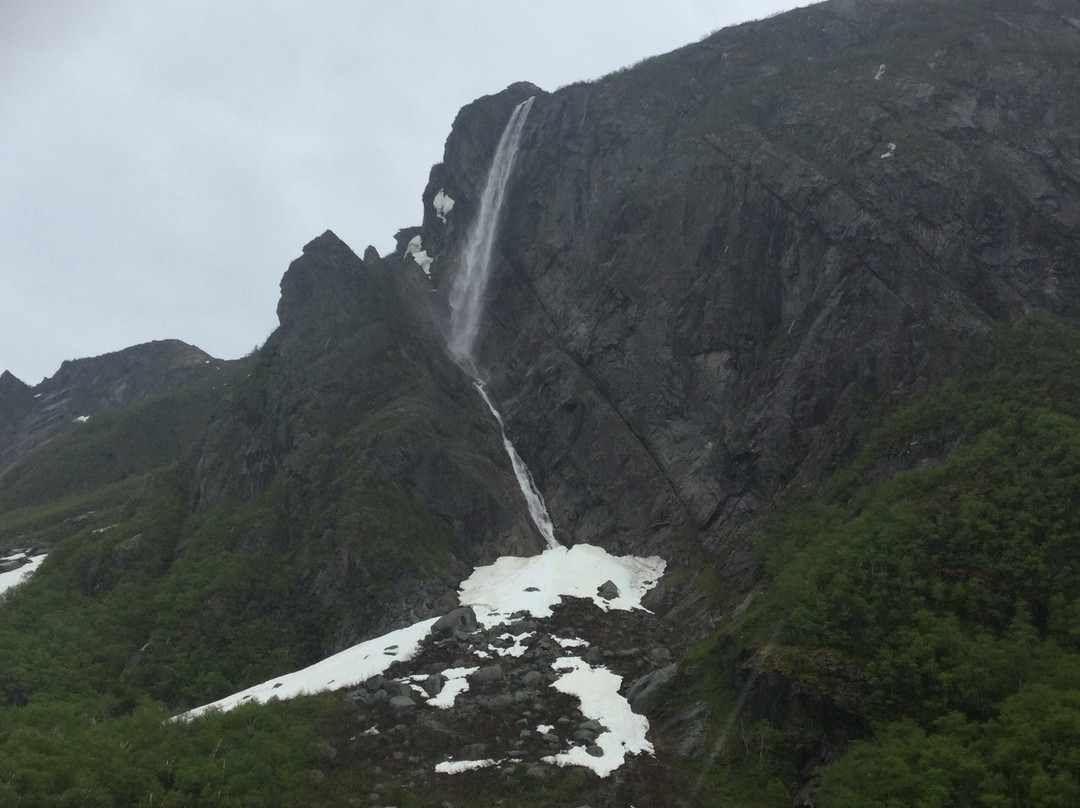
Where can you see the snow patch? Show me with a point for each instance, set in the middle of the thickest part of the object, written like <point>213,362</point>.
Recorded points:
<point>509,586</point>
<point>598,690</point>
<point>890,150</point>
<point>17,576</point>
<point>416,250</point>
<point>456,684</point>
<point>455,766</point>
<point>80,419</point>
<point>518,648</point>
<point>880,73</point>
<point>443,205</point>
<point>346,669</point>
<point>571,642</point>
<point>537,583</point>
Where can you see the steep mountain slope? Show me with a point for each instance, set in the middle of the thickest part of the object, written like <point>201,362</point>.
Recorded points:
<point>710,262</point>
<point>715,273</point>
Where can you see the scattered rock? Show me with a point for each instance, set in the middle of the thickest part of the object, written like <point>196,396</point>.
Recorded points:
<point>486,675</point>
<point>462,619</point>
<point>433,685</point>
<point>644,693</point>
<point>608,590</point>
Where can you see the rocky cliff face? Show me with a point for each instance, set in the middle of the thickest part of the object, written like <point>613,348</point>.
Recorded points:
<point>82,387</point>
<point>710,262</point>
<point>709,266</point>
<point>353,369</point>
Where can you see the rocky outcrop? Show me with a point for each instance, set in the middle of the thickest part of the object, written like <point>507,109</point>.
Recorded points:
<point>711,263</point>
<point>351,367</point>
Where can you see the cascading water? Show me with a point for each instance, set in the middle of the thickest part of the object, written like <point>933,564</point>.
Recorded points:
<point>471,279</point>
<point>537,509</point>
<point>467,300</point>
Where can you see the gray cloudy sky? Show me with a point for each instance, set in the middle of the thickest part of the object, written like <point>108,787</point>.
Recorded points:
<point>162,161</point>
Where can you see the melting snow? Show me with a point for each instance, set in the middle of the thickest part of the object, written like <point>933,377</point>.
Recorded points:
<point>509,586</point>
<point>350,667</point>
<point>17,576</point>
<point>443,205</point>
<point>537,583</point>
<point>456,684</point>
<point>518,648</point>
<point>455,766</point>
<point>416,250</point>
<point>598,689</point>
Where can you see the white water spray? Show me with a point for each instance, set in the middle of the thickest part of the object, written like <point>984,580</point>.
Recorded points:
<point>471,279</point>
<point>467,300</point>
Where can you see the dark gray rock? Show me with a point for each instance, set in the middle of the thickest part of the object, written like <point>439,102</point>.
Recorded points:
<point>694,288</point>
<point>402,703</point>
<point>608,590</point>
<point>14,564</point>
<point>486,675</point>
<point>127,552</point>
<point>503,701</point>
<point>462,619</point>
<point>645,693</point>
<point>433,684</point>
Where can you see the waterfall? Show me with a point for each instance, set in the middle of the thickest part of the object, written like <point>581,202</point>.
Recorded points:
<point>537,509</point>
<point>467,300</point>
<point>471,279</point>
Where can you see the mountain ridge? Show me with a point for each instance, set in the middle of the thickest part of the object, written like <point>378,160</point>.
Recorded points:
<point>80,388</point>
<point>716,271</point>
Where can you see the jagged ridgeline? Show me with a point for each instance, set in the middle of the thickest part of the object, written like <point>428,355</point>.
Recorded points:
<point>792,308</point>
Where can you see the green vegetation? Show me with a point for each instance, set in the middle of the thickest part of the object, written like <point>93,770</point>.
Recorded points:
<point>927,597</point>
<point>112,446</point>
<point>145,607</point>
<point>941,566</point>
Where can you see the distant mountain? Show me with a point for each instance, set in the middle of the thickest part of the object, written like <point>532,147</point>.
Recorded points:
<point>29,416</point>
<point>792,308</point>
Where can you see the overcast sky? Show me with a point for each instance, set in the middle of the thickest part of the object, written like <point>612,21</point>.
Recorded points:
<point>162,161</point>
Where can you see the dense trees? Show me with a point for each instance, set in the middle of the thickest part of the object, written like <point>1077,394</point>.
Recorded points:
<point>953,583</point>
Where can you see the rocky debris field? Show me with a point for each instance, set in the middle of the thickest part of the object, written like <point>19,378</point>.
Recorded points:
<point>482,706</point>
